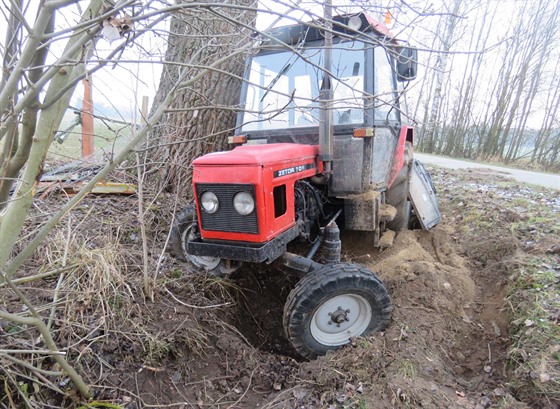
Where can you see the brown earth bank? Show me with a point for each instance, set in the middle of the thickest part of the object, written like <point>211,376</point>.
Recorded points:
<point>219,343</point>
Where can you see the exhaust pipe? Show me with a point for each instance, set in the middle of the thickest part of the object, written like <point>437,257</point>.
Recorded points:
<point>326,128</point>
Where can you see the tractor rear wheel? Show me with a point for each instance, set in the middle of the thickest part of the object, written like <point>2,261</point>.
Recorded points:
<point>185,229</point>
<point>333,304</point>
<point>397,194</point>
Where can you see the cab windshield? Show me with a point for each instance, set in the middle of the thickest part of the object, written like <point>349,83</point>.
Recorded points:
<point>283,87</point>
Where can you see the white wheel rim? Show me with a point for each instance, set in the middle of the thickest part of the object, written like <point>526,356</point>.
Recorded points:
<point>207,263</point>
<point>340,318</point>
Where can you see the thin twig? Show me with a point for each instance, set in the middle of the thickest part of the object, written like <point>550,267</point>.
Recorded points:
<point>20,393</point>
<point>162,253</point>
<point>30,351</point>
<point>61,277</point>
<point>148,288</point>
<point>204,307</point>
<point>29,279</point>
<point>37,322</point>
<point>31,367</point>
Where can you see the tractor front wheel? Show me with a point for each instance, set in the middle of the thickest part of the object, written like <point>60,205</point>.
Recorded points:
<point>333,304</point>
<point>186,229</point>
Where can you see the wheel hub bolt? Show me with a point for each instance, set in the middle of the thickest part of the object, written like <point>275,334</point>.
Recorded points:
<point>339,316</point>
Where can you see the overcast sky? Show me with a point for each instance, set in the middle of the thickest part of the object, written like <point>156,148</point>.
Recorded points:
<point>124,85</point>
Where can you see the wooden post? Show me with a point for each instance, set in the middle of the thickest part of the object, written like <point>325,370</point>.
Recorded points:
<point>87,122</point>
<point>145,102</point>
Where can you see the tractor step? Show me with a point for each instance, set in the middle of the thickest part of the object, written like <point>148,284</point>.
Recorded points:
<point>387,239</point>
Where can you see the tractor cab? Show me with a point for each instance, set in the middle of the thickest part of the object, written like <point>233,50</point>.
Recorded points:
<point>282,96</point>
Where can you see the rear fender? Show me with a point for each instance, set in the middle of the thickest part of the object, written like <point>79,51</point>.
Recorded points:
<point>406,135</point>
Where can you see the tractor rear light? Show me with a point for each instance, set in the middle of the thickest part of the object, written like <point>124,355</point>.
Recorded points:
<point>355,23</point>
<point>363,132</point>
<point>237,139</point>
<point>209,202</point>
<point>243,203</point>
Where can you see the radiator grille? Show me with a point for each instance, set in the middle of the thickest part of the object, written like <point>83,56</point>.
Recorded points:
<point>226,218</point>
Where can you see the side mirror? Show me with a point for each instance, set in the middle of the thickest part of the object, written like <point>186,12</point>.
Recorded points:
<point>407,63</point>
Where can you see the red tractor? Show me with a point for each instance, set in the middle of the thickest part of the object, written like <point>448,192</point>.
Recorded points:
<point>324,144</point>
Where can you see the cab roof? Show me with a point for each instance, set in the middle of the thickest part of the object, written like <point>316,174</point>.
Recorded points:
<point>306,32</point>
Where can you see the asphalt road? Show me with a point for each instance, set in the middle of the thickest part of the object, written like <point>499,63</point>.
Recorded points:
<point>536,178</point>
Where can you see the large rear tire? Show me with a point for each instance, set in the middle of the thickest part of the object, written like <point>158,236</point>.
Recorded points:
<point>185,229</point>
<point>397,195</point>
<point>333,304</point>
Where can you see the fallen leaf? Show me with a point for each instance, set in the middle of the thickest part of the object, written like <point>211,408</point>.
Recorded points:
<point>300,393</point>
<point>544,377</point>
<point>341,398</point>
<point>499,392</point>
<point>523,354</point>
<point>496,329</point>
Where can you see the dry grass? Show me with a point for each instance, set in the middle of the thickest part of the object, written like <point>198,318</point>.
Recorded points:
<point>81,306</point>
<point>97,311</point>
<point>91,307</point>
<point>493,249</point>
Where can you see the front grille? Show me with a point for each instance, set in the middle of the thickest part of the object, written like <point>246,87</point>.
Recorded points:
<point>226,218</point>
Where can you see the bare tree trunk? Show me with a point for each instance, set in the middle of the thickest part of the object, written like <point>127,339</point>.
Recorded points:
<point>550,122</point>
<point>461,140</point>
<point>18,142</point>
<point>199,37</point>
<point>424,141</point>
<point>433,120</point>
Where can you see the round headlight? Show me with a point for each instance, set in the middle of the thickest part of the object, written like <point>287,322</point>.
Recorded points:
<point>209,202</point>
<point>244,203</point>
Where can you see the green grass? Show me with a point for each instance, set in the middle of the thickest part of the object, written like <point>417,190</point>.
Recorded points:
<point>407,370</point>
<point>520,201</point>
<point>535,351</point>
<point>109,138</point>
<point>107,141</point>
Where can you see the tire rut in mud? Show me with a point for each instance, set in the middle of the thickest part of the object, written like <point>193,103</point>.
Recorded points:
<point>262,293</point>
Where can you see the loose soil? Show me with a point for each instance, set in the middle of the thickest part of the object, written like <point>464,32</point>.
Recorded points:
<point>219,343</point>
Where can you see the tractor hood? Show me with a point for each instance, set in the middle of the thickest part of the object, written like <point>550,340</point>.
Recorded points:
<point>268,173</point>
<point>258,155</point>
